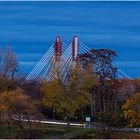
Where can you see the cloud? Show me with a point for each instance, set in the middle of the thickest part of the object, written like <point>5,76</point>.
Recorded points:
<point>31,27</point>
<point>128,64</point>
<point>29,63</point>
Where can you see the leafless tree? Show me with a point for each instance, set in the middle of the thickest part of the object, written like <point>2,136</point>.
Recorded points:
<point>9,63</point>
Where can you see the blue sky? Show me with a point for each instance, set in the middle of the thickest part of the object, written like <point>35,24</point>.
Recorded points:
<point>31,27</point>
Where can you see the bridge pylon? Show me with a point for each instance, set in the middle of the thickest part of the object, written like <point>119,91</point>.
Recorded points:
<point>59,59</point>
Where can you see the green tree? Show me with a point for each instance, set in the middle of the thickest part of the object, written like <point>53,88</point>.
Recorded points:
<point>52,90</point>
<point>69,96</point>
<point>75,94</point>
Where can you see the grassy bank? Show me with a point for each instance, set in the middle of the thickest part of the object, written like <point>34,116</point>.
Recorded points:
<point>45,131</point>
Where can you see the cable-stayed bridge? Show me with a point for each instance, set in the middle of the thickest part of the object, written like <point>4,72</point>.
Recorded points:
<point>59,58</point>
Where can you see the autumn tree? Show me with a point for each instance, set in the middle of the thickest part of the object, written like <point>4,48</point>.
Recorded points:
<point>7,84</point>
<point>32,89</point>
<point>14,105</point>
<point>136,83</point>
<point>76,92</point>
<point>102,63</point>
<point>132,110</point>
<point>69,96</point>
<point>91,80</point>
<point>52,90</point>
<point>126,89</point>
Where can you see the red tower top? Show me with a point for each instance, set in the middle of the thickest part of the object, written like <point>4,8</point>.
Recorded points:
<point>58,48</point>
<point>75,48</point>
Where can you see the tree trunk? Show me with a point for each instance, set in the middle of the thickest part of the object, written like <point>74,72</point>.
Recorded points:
<point>94,105</point>
<point>101,103</point>
<point>68,122</point>
<point>92,110</point>
<point>53,113</point>
<point>91,105</point>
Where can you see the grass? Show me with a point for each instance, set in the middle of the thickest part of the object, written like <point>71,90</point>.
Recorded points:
<point>40,131</point>
<point>43,131</point>
<point>110,135</point>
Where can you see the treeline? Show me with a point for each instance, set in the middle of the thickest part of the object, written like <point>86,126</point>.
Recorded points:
<point>91,89</point>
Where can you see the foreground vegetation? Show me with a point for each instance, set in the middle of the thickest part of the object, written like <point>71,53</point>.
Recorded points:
<point>40,131</point>
<point>91,89</point>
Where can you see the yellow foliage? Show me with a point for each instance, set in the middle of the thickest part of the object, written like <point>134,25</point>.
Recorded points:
<point>69,97</point>
<point>15,102</point>
<point>132,109</point>
<point>51,89</point>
